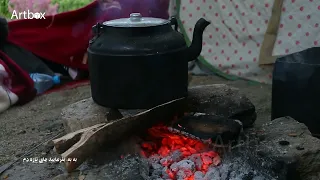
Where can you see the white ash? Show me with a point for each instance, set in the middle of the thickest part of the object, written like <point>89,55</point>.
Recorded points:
<point>198,175</point>
<point>186,165</point>
<point>224,171</point>
<point>175,156</point>
<point>183,168</point>
<point>154,158</point>
<point>212,173</point>
<point>156,166</point>
<point>174,167</point>
<point>235,168</point>
<point>157,172</point>
<point>197,160</point>
<point>165,174</point>
<point>181,174</point>
<point>258,178</point>
<point>166,161</point>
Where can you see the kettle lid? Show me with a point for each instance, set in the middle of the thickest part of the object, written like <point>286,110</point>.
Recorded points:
<point>136,20</point>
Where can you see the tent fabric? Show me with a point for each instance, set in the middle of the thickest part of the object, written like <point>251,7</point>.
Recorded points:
<point>233,41</point>
<point>299,27</point>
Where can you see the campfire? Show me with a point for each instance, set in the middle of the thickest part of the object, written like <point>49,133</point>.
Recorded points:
<point>178,140</point>
<point>174,156</point>
<point>194,138</point>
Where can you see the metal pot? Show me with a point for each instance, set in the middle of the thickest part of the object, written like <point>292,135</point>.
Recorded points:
<point>140,62</point>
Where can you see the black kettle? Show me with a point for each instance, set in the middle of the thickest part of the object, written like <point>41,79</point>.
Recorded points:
<point>140,62</point>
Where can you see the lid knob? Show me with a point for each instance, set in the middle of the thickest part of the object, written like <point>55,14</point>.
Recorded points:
<point>135,17</point>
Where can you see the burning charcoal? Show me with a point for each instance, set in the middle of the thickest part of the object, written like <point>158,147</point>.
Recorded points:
<point>159,179</point>
<point>154,159</point>
<point>174,167</point>
<point>164,151</point>
<point>197,161</point>
<point>216,160</point>
<point>166,161</point>
<point>213,173</point>
<point>193,157</point>
<point>181,174</point>
<point>167,173</point>
<point>187,165</point>
<point>206,160</point>
<point>198,175</point>
<point>176,156</point>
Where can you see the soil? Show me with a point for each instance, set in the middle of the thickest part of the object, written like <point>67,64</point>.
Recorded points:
<point>24,127</point>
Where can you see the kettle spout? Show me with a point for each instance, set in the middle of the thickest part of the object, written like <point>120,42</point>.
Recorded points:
<point>194,50</point>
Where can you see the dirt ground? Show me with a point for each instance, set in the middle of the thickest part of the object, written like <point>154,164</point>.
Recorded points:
<point>23,128</point>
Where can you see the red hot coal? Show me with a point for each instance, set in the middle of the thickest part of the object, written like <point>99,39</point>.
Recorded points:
<point>174,156</point>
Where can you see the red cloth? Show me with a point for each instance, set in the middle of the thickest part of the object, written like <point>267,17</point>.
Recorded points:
<point>64,38</point>
<point>60,37</point>
<point>16,80</point>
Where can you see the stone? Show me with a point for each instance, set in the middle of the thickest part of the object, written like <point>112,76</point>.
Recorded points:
<point>83,114</point>
<point>222,100</point>
<point>86,113</point>
<point>299,153</point>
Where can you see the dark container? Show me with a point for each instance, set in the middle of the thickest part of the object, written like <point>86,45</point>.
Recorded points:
<point>296,88</point>
<point>138,63</point>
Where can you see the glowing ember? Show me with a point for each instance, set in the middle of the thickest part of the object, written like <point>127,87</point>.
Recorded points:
<point>173,156</point>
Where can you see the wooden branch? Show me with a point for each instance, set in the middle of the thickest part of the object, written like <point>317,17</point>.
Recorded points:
<point>85,142</point>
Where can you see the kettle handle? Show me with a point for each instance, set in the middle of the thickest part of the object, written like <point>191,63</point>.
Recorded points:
<point>96,30</point>
<point>174,22</point>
